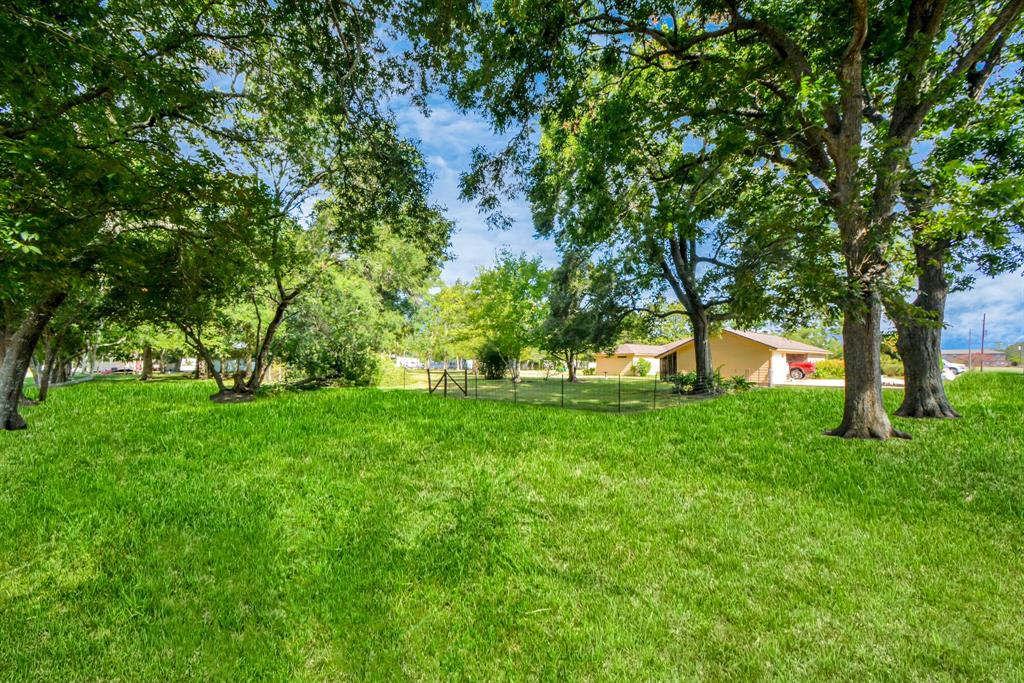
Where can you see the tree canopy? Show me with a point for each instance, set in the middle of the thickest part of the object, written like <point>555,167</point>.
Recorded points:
<point>834,96</point>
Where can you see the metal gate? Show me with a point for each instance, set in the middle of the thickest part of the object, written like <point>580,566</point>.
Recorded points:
<point>446,378</point>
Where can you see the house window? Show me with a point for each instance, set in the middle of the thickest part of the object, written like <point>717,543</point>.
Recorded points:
<point>668,365</point>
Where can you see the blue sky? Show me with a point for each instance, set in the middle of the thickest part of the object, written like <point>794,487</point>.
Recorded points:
<point>447,138</point>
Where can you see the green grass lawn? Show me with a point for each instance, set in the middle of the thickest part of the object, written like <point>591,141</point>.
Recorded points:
<point>608,394</point>
<point>148,534</point>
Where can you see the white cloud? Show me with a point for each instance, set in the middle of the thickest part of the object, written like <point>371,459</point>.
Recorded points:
<point>999,299</point>
<point>447,139</point>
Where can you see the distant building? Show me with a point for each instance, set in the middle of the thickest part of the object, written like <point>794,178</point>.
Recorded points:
<point>993,358</point>
<point>759,357</point>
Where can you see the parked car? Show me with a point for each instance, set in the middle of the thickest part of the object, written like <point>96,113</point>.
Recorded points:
<point>800,369</point>
<point>955,368</point>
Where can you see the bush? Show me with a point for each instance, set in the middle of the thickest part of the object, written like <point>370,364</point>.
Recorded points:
<point>329,337</point>
<point>641,367</point>
<point>892,367</point>
<point>390,375</point>
<point>492,362</point>
<point>589,372</point>
<point>830,369</point>
<point>683,383</point>
<point>737,383</point>
<point>686,383</point>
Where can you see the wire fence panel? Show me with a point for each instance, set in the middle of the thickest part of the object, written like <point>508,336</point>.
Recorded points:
<point>619,394</point>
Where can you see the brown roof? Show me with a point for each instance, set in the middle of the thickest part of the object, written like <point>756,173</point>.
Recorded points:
<point>641,349</point>
<point>770,340</point>
<point>781,343</point>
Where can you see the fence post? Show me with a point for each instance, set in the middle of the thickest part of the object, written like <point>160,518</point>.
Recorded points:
<point>445,377</point>
<point>655,391</point>
<point>476,382</point>
<point>430,382</point>
<point>620,392</point>
<point>562,403</point>
<point>515,391</point>
<point>465,381</point>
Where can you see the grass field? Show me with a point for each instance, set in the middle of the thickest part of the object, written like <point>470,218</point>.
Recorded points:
<point>147,534</point>
<point>607,394</point>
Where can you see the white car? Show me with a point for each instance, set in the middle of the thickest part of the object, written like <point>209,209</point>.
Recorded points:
<point>955,368</point>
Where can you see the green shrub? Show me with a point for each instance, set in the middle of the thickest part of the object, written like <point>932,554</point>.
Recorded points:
<point>737,383</point>
<point>589,372</point>
<point>683,383</point>
<point>892,367</point>
<point>830,369</point>
<point>641,366</point>
<point>686,383</point>
<point>391,375</point>
<point>492,362</point>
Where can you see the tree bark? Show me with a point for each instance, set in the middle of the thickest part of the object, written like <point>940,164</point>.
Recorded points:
<point>684,283</point>
<point>260,366</point>
<point>864,415</point>
<point>702,353</point>
<point>206,358</point>
<point>147,362</point>
<point>18,355</point>
<point>52,370</point>
<point>919,340</point>
<point>45,375</point>
<point>570,364</point>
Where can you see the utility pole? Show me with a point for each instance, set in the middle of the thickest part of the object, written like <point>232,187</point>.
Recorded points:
<point>982,367</point>
<point>970,359</point>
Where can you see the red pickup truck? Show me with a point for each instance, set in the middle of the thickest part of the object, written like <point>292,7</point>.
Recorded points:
<point>800,369</point>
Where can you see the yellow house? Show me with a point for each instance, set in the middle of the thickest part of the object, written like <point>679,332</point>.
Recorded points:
<point>621,360</point>
<point>759,357</point>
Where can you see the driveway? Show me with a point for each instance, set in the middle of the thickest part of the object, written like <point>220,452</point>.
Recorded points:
<point>887,383</point>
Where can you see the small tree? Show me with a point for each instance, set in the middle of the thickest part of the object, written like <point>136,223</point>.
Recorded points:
<point>509,306</point>
<point>585,310</point>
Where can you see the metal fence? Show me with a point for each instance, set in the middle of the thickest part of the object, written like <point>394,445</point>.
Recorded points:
<point>615,393</point>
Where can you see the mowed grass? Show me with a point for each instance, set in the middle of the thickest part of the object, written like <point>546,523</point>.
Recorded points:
<point>147,534</point>
<point>608,394</point>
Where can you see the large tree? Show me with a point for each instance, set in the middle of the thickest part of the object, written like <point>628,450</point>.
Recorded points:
<point>961,213</point>
<point>607,178</point>
<point>122,115</point>
<point>835,94</point>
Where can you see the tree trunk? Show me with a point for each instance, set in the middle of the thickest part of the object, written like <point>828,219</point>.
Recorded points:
<point>93,352</point>
<point>259,370</point>
<point>59,374</point>
<point>37,366</point>
<point>919,340</point>
<point>18,356</point>
<point>205,358</point>
<point>864,415</point>
<point>684,283</point>
<point>570,364</point>
<point>51,370</point>
<point>46,374</point>
<point>702,353</point>
<point>147,362</point>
